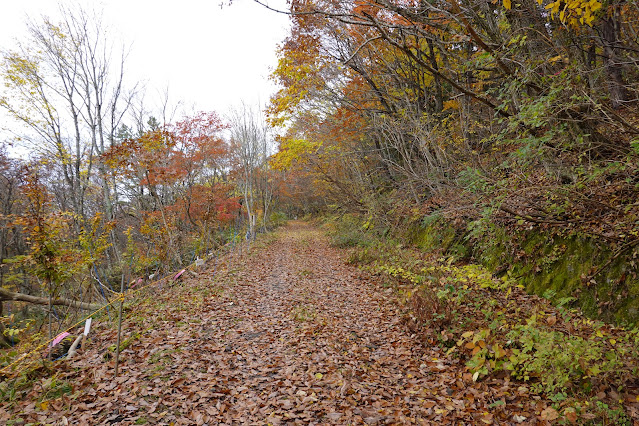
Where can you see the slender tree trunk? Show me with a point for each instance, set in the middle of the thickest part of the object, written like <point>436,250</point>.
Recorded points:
<point>614,68</point>
<point>50,312</point>
<point>4,341</point>
<point>439,95</point>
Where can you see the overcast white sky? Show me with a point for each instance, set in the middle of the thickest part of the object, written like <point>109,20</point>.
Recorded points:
<point>208,56</point>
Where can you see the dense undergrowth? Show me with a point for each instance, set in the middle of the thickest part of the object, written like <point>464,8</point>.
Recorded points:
<point>589,368</point>
<point>25,365</point>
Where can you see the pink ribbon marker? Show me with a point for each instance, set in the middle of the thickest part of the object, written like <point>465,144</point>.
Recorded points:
<point>179,274</point>
<point>58,339</point>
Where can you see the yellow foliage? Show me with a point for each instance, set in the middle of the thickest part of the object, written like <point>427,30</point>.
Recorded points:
<point>573,12</point>
<point>293,150</point>
<point>452,104</point>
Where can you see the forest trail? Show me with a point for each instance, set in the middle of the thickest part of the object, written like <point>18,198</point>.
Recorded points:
<point>286,334</point>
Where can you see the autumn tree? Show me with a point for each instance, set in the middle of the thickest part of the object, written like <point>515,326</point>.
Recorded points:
<point>443,88</point>
<point>175,181</point>
<point>65,87</point>
<point>11,241</point>
<point>250,147</point>
<point>53,256</point>
<point>112,190</point>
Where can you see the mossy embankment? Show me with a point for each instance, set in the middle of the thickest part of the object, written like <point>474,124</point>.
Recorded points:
<point>578,270</point>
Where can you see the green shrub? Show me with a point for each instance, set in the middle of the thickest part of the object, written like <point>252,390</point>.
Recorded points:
<point>349,231</point>
<point>277,219</point>
<point>558,361</point>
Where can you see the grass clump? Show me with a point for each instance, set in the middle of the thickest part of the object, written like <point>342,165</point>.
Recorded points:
<point>349,231</point>
<point>303,313</point>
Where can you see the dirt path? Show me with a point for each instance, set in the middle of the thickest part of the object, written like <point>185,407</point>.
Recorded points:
<point>289,334</point>
<point>317,343</point>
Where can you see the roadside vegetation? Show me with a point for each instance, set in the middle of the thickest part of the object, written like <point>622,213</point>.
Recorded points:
<point>588,368</point>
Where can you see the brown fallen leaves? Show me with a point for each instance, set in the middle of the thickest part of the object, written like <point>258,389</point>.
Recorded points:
<point>286,334</point>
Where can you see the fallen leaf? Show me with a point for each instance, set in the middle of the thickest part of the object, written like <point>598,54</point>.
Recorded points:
<point>549,414</point>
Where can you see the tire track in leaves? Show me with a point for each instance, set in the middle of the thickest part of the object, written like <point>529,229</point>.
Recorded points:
<point>290,335</point>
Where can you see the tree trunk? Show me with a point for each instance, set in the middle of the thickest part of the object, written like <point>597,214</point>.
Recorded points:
<point>4,341</point>
<point>10,295</point>
<point>614,68</point>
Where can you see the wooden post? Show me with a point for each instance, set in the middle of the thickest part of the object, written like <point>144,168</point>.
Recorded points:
<point>117,346</point>
<point>232,256</point>
<point>50,355</point>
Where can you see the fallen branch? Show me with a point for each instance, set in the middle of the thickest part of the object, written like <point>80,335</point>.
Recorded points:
<point>534,219</point>
<point>21,297</point>
<point>621,250</point>
<point>74,347</point>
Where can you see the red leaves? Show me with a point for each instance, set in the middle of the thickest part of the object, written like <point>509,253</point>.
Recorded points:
<point>164,156</point>
<point>207,203</point>
<point>176,181</point>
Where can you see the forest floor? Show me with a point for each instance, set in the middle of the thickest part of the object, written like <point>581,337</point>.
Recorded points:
<point>288,333</point>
